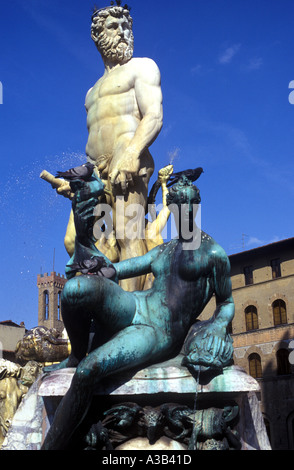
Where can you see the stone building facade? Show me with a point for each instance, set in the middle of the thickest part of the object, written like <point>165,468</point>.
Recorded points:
<point>263,328</point>
<point>49,306</point>
<point>10,334</point>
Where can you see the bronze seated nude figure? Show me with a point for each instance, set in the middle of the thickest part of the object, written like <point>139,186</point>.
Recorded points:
<point>134,329</point>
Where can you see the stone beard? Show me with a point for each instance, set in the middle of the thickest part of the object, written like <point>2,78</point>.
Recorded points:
<point>116,48</point>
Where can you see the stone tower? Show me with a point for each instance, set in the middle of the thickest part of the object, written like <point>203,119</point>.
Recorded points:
<point>49,309</point>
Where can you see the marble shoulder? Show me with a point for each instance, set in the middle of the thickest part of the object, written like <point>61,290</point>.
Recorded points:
<point>146,67</point>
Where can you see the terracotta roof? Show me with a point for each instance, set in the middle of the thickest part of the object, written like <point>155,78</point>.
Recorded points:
<point>286,243</point>
<point>10,323</point>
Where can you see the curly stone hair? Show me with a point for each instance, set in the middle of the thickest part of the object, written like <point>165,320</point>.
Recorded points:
<point>99,17</point>
<point>106,46</point>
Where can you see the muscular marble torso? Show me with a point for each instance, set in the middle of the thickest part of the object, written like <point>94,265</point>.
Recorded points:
<point>114,114</point>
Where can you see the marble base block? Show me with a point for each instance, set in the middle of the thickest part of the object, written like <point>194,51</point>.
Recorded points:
<point>161,383</point>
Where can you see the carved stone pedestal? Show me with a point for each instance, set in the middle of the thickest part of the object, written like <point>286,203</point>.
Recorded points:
<point>158,408</point>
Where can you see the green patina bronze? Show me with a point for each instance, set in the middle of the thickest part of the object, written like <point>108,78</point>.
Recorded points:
<point>134,329</point>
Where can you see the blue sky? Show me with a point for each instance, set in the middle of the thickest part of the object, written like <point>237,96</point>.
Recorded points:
<point>226,66</point>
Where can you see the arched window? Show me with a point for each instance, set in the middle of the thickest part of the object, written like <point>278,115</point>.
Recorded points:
<point>279,312</point>
<point>276,268</point>
<point>46,304</point>
<point>251,318</point>
<point>283,364</point>
<point>59,305</point>
<point>255,369</point>
<point>248,273</point>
